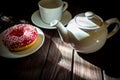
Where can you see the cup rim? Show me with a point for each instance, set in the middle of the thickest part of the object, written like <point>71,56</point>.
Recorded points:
<point>60,5</point>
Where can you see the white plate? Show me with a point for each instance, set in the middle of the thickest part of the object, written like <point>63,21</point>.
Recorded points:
<point>36,19</point>
<point>4,52</point>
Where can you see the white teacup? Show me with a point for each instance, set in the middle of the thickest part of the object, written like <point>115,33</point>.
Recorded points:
<point>51,10</point>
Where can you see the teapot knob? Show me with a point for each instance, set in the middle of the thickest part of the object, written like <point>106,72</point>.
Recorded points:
<point>93,18</point>
<point>89,14</point>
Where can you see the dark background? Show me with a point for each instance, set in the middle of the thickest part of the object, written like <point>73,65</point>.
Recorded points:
<point>105,8</point>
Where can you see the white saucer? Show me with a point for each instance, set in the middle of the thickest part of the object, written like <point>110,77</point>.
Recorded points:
<point>4,52</point>
<point>36,19</point>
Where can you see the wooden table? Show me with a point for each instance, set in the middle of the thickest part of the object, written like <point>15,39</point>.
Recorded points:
<point>57,60</point>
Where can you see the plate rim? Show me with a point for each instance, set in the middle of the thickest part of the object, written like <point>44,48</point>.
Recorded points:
<point>12,54</point>
<point>48,27</point>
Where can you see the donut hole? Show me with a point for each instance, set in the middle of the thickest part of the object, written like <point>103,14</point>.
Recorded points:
<point>17,32</point>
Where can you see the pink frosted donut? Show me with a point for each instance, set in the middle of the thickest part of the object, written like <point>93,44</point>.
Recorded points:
<point>19,37</point>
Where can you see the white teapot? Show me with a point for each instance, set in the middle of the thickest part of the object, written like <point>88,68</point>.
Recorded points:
<point>86,32</point>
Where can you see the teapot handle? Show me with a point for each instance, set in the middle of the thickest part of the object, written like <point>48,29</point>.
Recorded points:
<point>115,29</point>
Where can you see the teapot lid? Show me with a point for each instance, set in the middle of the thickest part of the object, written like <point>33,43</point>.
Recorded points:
<point>88,20</point>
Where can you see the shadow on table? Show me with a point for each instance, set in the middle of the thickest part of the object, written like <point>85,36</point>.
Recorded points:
<point>107,58</point>
<point>8,21</point>
<point>59,64</point>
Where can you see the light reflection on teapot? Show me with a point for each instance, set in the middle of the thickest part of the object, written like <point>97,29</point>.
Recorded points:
<point>87,32</point>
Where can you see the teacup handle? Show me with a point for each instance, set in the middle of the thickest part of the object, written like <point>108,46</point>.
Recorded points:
<point>65,5</point>
<point>115,29</point>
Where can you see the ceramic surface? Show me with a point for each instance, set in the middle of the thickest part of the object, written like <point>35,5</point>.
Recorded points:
<point>52,9</point>
<point>87,40</point>
<point>36,19</point>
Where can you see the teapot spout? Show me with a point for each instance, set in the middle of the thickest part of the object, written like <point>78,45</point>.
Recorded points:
<point>63,32</point>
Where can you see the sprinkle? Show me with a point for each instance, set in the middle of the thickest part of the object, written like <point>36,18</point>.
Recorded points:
<point>20,34</point>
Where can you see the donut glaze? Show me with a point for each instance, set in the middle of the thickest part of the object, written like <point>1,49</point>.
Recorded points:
<point>19,36</point>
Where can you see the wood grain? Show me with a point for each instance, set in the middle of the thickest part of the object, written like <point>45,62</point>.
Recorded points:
<point>58,63</point>
<point>84,70</point>
<point>107,77</point>
<point>26,68</point>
